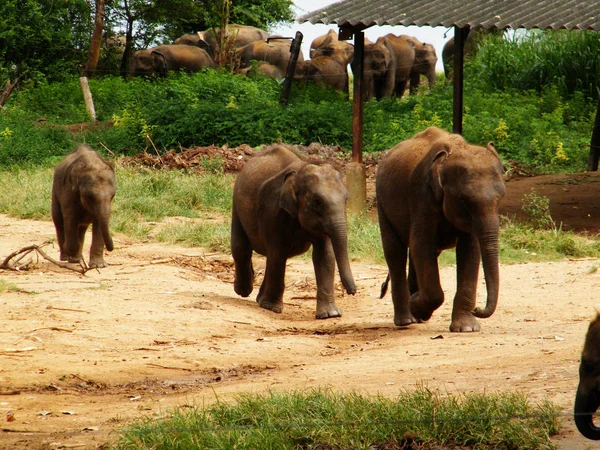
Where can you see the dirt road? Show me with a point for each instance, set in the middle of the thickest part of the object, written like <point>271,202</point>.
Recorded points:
<point>80,356</point>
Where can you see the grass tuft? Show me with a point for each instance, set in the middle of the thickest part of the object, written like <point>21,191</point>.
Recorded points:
<point>323,419</point>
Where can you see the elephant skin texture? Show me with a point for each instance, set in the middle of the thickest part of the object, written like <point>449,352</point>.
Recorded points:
<point>435,191</point>
<point>82,192</point>
<point>282,205</point>
<point>587,399</point>
<point>423,64</point>
<point>330,45</point>
<point>165,58</point>
<point>380,70</point>
<point>324,71</point>
<point>276,52</point>
<point>263,68</point>
<point>209,40</point>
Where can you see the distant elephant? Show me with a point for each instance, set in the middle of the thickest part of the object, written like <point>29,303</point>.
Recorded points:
<point>276,52</point>
<point>325,71</point>
<point>281,206</point>
<point>164,58</point>
<point>209,39</point>
<point>82,191</point>
<point>404,59</point>
<point>434,192</point>
<point>380,66</point>
<point>329,45</point>
<point>473,38</point>
<point>424,63</point>
<point>263,68</point>
<point>587,399</point>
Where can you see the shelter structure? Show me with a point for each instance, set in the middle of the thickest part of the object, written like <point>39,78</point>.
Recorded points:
<point>354,16</point>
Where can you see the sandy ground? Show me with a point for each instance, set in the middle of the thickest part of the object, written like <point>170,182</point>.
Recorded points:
<point>82,356</point>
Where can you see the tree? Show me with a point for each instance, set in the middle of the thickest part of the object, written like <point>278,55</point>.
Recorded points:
<point>43,37</point>
<point>96,42</point>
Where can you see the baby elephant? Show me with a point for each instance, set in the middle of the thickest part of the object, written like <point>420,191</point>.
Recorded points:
<point>587,400</point>
<point>281,206</point>
<point>82,192</point>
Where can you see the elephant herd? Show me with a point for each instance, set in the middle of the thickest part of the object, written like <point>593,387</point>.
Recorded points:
<point>434,191</point>
<point>391,64</point>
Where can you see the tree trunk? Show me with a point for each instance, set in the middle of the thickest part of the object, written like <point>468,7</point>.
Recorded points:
<point>96,43</point>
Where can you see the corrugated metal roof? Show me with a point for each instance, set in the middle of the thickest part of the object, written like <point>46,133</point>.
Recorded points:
<point>554,14</point>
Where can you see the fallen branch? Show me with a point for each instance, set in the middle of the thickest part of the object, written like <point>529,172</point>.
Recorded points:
<point>14,265</point>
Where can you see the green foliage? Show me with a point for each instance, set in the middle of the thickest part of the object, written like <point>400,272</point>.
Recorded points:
<point>539,59</point>
<point>323,419</point>
<point>537,209</point>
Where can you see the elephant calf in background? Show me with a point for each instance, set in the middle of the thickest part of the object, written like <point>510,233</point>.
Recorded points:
<point>82,192</point>
<point>165,58</point>
<point>435,191</point>
<point>587,399</point>
<point>281,206</point>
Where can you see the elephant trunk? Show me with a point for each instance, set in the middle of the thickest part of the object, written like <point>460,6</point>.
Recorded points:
<point>488,243</point>
<point>586,405</point>
<point>103,223</point>
<point>339,242</point>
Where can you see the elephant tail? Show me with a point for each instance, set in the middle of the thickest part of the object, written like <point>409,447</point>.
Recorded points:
<point>384,286</point>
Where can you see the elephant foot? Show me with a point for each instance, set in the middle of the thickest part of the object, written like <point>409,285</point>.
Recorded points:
<point>422,310</point>
<point>404,321</point>
<point>97,265</point>
<point>327,311</point>
<point>276,307</point>
<point>242,289</point>
<point>72,259</point>
<point>466,323</point>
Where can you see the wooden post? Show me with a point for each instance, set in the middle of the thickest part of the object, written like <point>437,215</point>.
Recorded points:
<point>291,68</point>
<point>87,97</point>
<point>460,37</point>
<point>356,178</point>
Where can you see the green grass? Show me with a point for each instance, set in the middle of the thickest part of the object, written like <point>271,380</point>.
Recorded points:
<point>322,419</point>
<point>146,199</point>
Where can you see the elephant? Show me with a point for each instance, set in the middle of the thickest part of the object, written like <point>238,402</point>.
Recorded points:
<point>82,192</point>
<point>165,58</point>
<point>403,59</point>
<point>209,39</point>
<point>424,62</point>
<point>474,37</point>
<point>587,399</point>
<point>325,71</point>
<point>380,66</point>
<point>263,68</point>
<point>329,45</point>
<point>435,191</point>
<point>282,205</point>
<point>276,52</point>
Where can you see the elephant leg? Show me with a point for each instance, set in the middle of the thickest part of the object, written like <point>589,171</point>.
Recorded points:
<point>324,264</point>
<point>270,295</point>
<point>400,88</point>
<point>241,250</point>
<point>467,270</point>
<point>73,239</point>
<point>424,257</point>
<point>396,254</point>
<point>97,247</point>
<point>415,80</point>
<point>413,286</point>
<point>57,218</point>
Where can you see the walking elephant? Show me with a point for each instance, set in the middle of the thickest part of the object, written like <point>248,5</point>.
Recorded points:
<point>281,206</point>
<point>587,399</point>
<point>276,52</point>
<point>380,69</point>
<point>323,70</point>
<point>165,58</point>
<point>424,63</point>
<point>209,40</point>
<point>82,191</point>
<point>434,192</point>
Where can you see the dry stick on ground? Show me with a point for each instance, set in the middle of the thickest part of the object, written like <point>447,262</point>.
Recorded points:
<point>7,265</point>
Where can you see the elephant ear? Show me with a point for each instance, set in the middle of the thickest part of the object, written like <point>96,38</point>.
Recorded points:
<point>287,199</point>
<point>159,62</point>
<point>490,146</point>
<point>439,153</point>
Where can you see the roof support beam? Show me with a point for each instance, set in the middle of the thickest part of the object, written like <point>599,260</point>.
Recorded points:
<point>460,37</point>
<point>595,143</point>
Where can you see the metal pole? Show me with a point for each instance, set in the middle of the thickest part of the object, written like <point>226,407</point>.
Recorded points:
<point>595,143</point>
<point>460,37</point>
<point>357,109</point>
